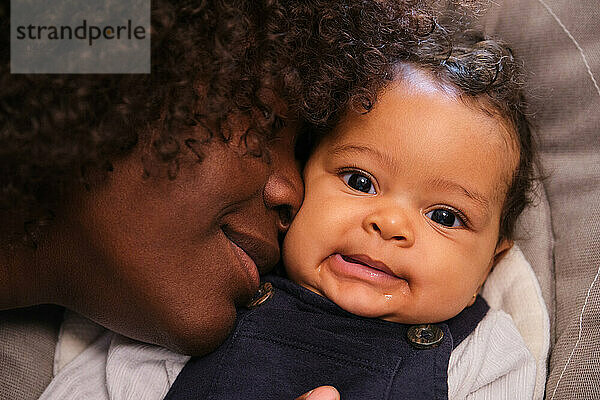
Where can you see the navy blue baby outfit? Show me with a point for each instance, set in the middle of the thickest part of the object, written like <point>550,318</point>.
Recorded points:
<point>297,340</point>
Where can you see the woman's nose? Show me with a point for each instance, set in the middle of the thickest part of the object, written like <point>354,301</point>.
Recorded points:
<point>284,191</point>
<point>391,224</point>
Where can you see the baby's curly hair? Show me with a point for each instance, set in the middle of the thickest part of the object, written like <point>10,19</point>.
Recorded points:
<point>211,61</point>
<point>486,74</point>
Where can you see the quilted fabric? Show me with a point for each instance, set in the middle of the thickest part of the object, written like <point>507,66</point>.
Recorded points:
<point>559,41</point>
<point>27,343</point>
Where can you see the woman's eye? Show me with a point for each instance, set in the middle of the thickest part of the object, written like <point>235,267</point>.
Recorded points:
<point>360,182</point>
<point>445,217</point>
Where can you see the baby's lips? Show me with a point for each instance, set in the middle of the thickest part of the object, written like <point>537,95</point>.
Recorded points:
<point>364,259</point>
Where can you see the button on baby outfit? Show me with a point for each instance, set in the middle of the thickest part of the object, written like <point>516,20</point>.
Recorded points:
<point>425,336</point>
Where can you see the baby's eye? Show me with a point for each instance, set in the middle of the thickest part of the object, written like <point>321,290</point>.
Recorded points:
<point>445,217</point>
<point>360,182</point>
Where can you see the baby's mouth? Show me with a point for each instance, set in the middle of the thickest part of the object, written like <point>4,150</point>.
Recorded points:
<point>361,268</point>
<point>368,262</point>
<point>353,260</point>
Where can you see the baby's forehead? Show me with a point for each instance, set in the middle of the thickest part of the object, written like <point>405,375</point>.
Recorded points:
<point>494,124</point>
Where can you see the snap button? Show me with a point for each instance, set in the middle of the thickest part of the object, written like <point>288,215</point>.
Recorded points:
<point>425,336</point>
<point>264,293</point>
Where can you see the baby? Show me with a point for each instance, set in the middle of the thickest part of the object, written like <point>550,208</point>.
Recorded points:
<point>407,209</point>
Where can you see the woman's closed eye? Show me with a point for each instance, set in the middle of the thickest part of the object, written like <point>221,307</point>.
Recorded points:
<point>359,181</point>
<point>446,217</point>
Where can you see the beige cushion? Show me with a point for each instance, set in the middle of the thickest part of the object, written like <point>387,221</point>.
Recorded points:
<point>560,43</point>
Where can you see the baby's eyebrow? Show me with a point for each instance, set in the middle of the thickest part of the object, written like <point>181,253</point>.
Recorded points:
<point>478,198</point>
<point>352,149</point>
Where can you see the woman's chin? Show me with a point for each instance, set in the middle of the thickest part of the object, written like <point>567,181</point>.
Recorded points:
<point>198,337</point>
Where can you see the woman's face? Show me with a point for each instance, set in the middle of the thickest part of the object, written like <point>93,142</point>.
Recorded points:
<point>166,261</point>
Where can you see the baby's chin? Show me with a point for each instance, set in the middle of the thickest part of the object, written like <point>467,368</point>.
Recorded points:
<point>364,301</point>
<point>360,301</point>
<point>384,312</point>
<point>392,313</point>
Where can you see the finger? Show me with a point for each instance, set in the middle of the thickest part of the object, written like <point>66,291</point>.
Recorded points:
<point>321,393</point>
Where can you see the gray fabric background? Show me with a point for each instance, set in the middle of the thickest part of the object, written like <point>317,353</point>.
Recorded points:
<point>567,106</point>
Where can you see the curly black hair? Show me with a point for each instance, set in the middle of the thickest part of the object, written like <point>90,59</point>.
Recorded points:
<point>211,61</point>
<point>486,74</point>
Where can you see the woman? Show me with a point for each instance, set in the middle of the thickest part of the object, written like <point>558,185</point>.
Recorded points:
<point>150,203</point>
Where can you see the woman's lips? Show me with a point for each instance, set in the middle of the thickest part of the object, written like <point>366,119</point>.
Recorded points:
<point>362,267</point>
<point>263,252</point>
<point>248,265</point>
<point>255,254</point>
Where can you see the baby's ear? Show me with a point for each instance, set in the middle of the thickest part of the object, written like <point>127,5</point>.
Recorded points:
<point>503,246</point>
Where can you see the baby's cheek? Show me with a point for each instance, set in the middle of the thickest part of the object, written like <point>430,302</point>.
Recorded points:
<point>292,247</point>
<point>300,250</point>
<point>313,233</point>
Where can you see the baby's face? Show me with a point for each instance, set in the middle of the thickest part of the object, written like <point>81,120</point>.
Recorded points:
<point>401,215</point>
